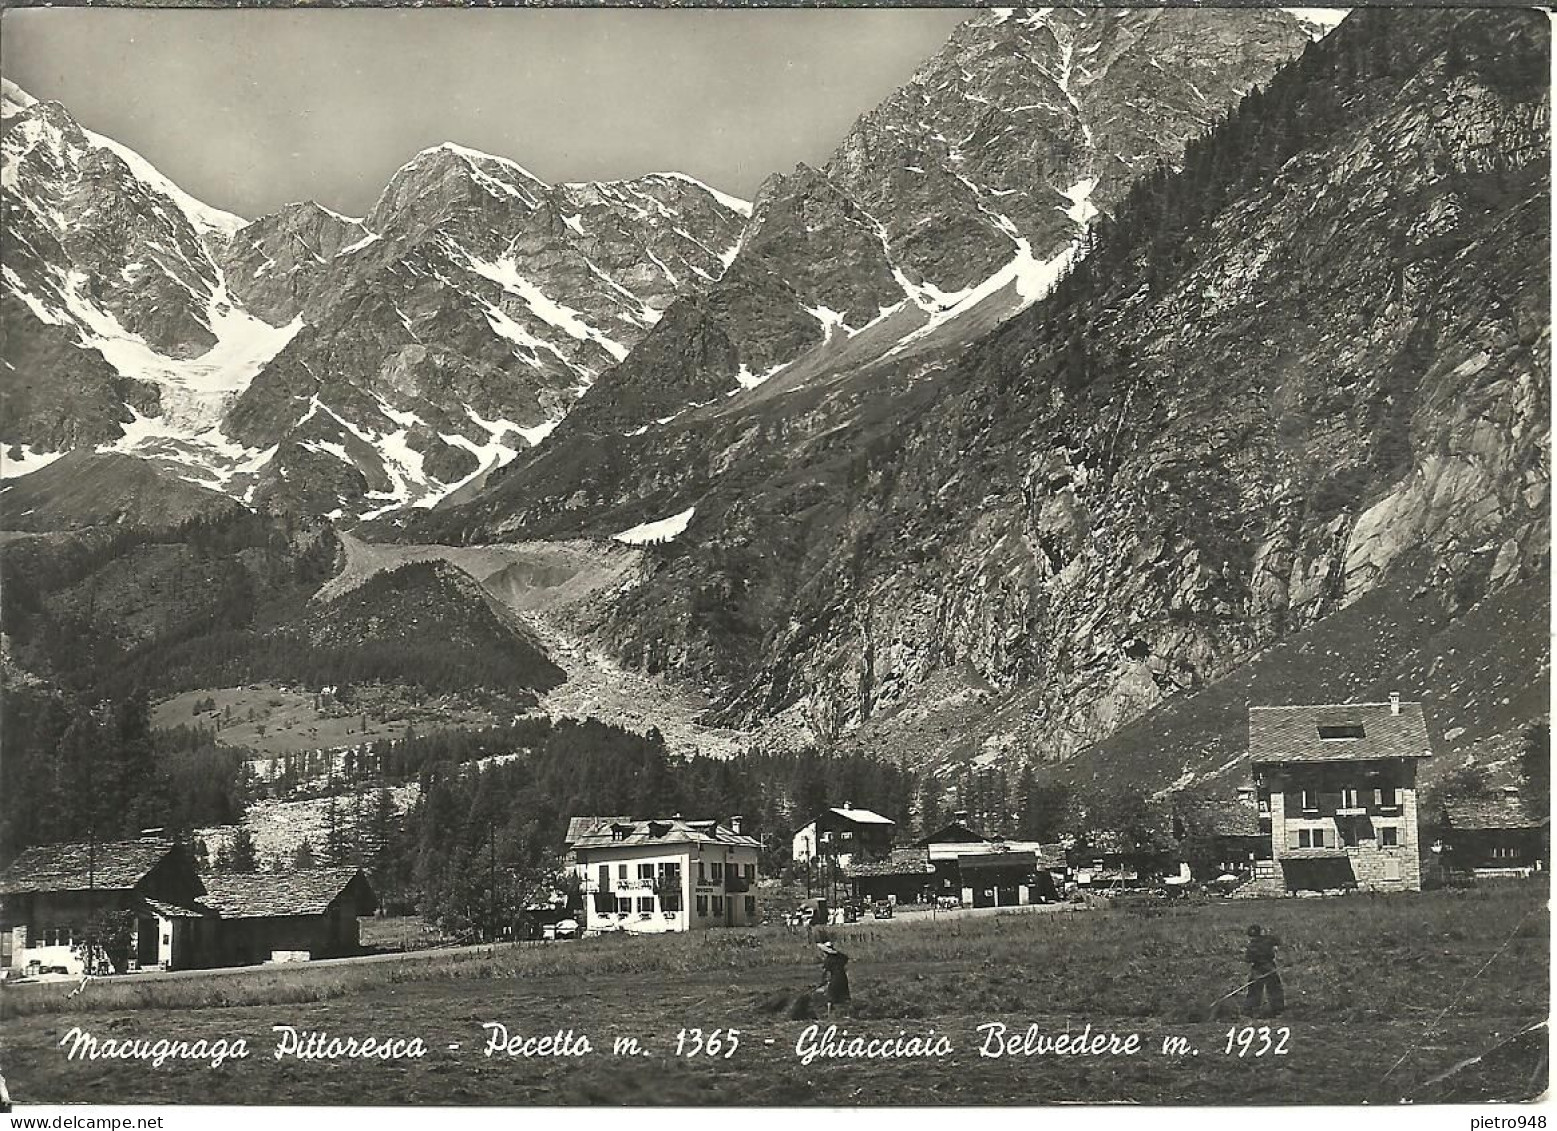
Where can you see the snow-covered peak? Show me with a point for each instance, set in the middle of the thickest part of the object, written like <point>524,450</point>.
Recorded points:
<point>479,159</point>
<point>14,98</point>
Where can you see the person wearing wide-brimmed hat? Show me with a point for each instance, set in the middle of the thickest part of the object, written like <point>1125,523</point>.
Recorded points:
<point>836,985</point>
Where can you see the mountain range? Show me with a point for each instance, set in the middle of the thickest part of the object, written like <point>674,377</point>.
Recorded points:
<point>313,362</point>
<point>1116,354</point>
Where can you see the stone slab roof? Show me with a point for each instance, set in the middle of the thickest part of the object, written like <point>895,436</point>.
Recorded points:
<point>1493,813</point>
<point>107,866</point>
<point>264,895</point>
<point>900,862</point>
<point>1337,732</point>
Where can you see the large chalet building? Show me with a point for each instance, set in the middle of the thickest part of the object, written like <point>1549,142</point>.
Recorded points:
<point>1337,784</point>
<point>844,835</point>
<point>650,877</point>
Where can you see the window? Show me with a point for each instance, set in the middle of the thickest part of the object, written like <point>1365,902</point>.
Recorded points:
<point>1387,799</point>
<point>1389,836</point>
<point>702,907</point>
<point>718,907</point>
<point>624,905</point>
<point>621,871</point>
<point>716,872</point>
<point>751,873</point>
<point>1319,838</point>
<point>1309,799</point>
<point>645,905</point>
<point>751,907</point>
<point>646,872</point>
<point>605,877</point>
<point>670,901</point>
<point>1311,838</point>
<point>1345,732</point>
<point>1350,799</point>
<point>702,877</point>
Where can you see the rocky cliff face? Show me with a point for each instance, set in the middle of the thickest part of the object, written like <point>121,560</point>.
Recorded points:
<point>1313,362</point>
<point>315,362</point>
<point>968,189</point>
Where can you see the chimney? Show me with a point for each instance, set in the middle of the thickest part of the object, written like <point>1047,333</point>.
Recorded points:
<point>1394,702</point>
<point>848,805</point>
<point>735,823</point>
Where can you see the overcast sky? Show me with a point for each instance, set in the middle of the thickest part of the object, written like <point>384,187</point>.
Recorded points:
<point>250,109</point>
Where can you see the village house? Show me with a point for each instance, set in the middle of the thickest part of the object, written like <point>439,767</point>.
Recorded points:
<point>1497,836</point>
<point>982,871</point>
<point>51,895</point>
<point>844,836</point>
<point>1221,835</point>
<point>664,875</point>
<point>1338,782</point>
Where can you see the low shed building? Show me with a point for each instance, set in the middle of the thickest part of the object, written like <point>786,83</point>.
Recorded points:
<point>1499,836</point>
<point>288,916</point>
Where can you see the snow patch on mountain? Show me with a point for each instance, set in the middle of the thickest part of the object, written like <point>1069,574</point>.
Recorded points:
<point>22,460</point>
<point>660,530</point>
<point>195,390</point>
<point>505,273</point>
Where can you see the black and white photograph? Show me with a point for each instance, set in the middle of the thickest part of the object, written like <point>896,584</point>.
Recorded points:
<point>775,558</point>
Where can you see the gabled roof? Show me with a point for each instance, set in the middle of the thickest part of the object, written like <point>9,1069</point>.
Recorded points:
<point>1337,732</point>
<point>954,833</point>
<point>1493,813</point>
<point>854,816</point>
<point>981,860</point>
<point>307,891</point>
<point>622,832</point>
<point>579,827</point>
<point>899,862</point>
<point>107,866</point>
<point>1227,816</point>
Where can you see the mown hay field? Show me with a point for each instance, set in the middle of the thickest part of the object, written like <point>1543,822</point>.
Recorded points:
<point>1389,999</point>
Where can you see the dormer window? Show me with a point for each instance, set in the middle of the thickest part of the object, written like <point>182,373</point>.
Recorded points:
<point>1343,732</point>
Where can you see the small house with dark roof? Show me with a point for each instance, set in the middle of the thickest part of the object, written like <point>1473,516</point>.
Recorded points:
<point>288,916</point>
<point>1339,783</point>
<point>905,875</point>
<point>51,894</point>
<point>670,874</point>
<point>1495,836</point>
<point>1222,835</point>
<point>844,835</point>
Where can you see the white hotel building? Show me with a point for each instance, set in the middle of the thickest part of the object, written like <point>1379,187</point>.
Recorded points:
<point>664,875</point>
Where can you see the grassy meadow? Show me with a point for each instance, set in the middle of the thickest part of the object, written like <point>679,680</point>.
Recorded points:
<point>1387,996</point>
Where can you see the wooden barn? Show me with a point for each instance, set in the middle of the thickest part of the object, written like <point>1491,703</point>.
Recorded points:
<point>1500,836</point>
<point>288,916</point>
